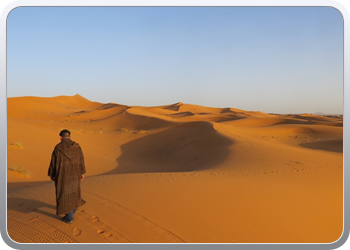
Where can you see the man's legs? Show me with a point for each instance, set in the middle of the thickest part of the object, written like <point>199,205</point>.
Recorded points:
<point>69,216</point>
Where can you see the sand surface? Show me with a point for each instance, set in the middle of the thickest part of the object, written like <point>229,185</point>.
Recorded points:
<point>177,173</point>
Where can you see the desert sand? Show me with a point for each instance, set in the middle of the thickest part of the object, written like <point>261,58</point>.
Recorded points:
<point>177,173</point>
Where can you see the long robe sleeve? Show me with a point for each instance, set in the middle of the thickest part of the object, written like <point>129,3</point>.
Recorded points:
<point>52,168</point>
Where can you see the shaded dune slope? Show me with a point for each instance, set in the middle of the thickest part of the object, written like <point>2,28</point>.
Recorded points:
<point>328,145</point>
<point>116,118</point>
<point>181,148</point>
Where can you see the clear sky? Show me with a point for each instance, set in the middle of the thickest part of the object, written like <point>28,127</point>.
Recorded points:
<point>269,59</point>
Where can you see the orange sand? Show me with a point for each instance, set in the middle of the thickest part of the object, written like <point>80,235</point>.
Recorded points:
<point>177,173</point>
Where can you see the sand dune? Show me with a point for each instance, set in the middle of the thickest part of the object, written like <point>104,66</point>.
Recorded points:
<point>178,173</point>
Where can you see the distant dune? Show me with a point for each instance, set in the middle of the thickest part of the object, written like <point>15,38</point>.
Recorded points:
<point>178,173</point>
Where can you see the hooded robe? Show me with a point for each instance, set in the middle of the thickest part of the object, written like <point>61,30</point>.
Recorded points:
<point>66,168</point>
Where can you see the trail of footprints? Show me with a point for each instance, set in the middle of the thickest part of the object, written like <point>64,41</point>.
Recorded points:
<point>108,233</point>
<point>173,238</point>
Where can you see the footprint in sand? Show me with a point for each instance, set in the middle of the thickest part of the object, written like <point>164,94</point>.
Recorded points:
<point>76,231</point>
<point>34,219</point>
<point>95,219</point>
<point>108,235</point>
<point>105,234</point>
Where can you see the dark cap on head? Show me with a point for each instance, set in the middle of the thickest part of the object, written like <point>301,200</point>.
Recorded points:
<point>65,133</point>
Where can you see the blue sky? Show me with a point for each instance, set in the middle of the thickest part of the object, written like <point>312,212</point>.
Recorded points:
<point>271,59</point>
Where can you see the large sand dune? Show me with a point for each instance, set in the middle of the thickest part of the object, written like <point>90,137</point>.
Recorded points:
<point>177,173</point>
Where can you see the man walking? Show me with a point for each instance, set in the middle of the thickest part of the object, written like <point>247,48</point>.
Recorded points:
<point>67,169</point>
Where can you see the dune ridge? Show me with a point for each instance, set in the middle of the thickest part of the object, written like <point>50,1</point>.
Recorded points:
<point>178,173</point>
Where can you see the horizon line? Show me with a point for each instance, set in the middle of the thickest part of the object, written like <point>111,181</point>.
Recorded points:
<point>318,113</point>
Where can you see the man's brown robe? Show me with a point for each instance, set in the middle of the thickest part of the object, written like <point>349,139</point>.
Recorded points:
<point>66,167</point>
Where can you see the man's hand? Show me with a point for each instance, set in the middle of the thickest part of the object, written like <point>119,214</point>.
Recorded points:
<point>52,178</point>
<point>82,177</point>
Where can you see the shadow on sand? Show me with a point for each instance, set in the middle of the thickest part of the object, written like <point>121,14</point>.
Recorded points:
<point>328,145</point>
<point>190,146</point>
<point>24,205</point>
